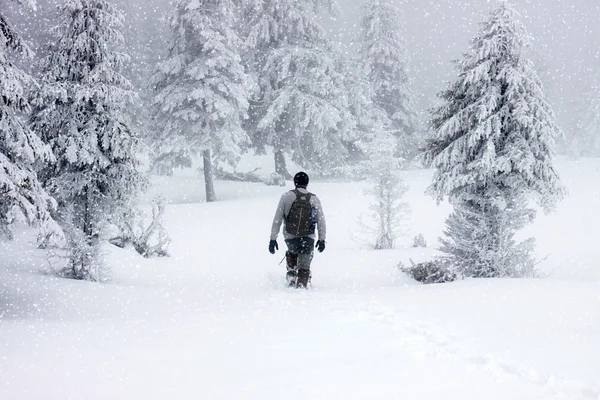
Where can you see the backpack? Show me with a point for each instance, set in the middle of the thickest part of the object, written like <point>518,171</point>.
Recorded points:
<point>300,221</point>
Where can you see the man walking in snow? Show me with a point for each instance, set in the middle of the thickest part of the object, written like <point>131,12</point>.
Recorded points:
<point>302,213</point>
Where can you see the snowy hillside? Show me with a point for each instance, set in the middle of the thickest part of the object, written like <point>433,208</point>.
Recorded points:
<point>214,321</point>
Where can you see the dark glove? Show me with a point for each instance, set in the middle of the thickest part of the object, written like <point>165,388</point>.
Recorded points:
<point>273,246</point>
<point>320,245</point>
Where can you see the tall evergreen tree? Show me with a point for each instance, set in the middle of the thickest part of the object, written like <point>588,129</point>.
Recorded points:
<point>301,104</point>
<point>588,128</point>
<point>201,88</point>
<point>79,112</point>
<point>385,62</point>
<point>22,197</point>
<point>492,147</point>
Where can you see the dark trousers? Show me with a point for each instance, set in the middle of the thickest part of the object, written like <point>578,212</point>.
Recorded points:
<point>298,258</point>
<point>300,253</point>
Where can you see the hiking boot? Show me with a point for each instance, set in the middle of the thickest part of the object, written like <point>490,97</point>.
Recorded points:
<point>292,278</point>
<point>303,278</point>
<point>291,260</point>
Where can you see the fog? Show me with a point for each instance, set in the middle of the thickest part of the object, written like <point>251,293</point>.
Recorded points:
<point>565,37</point>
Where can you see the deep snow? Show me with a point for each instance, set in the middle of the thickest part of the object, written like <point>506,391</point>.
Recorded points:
<point>214,321</point>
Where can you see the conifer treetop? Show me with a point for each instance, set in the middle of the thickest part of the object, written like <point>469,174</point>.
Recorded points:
<point>301,103</point>
<point>85,48</point>
<point>285,21</point>
<point>495,126</point>
<point>79,109</point>
<point>382,40</point>
<point>10,38</point>
<point>382,53</point>
<point>201,88</point>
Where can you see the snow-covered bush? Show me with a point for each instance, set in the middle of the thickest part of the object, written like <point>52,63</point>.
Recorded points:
<point>81,258</point>
<point>492,147</point>
<point>149,240</point>
<point>436,271</point>
<point>275,180</point>
<point>419,241</point>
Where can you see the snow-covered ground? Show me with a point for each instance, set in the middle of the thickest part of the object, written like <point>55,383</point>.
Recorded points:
<point>215,321</point>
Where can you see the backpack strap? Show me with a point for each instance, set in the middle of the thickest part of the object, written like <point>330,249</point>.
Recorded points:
<point>295,191</point>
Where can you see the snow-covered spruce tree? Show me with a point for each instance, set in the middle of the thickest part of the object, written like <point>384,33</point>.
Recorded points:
<point>367,116</point>
<point>301,105</point>
<point>385,63</point>
<point>492,147</point>
<point>22,197</point>
<point>588,128</point>
<point>79,112</point>
<point>201,89</point>
<point>388,211</point>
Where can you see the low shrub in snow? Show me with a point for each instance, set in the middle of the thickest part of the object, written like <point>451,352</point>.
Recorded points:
<point>419,241</point>
<point>149,241</point>
<point>275,180</point>
<point>436,271</point>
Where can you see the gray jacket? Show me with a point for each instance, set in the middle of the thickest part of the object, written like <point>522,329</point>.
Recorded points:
<point>283,209</point>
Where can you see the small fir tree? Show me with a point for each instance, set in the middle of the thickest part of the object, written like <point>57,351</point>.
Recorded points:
<point>388,211</point>
<point>22,197</point>
<point>492,148</point>
<point>201,89</point>
<point>79,112</point>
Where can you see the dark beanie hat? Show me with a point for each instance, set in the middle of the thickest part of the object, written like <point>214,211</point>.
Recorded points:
<point>301,179</point>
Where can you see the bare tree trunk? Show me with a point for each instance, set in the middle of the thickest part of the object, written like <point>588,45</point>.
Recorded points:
<point>5,232</point>
<point>87,218</point>
<point>209,184</point>
<point>83,263</point>
<point>280,164</point>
